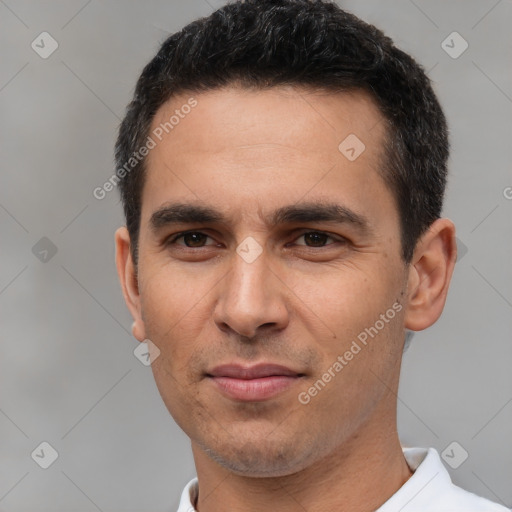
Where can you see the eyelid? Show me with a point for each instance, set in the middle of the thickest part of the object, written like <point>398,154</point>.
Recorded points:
<point>173,238</point>
<point>336,238</point>
<point>298,234</point>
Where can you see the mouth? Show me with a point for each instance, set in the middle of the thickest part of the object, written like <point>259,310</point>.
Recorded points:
<point>253,383</point>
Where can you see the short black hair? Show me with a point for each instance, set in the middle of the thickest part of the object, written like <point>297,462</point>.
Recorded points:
<point>307,43</point>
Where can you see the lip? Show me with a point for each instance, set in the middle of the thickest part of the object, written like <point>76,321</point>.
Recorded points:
<point>253,383</point>
<point>257,371</point>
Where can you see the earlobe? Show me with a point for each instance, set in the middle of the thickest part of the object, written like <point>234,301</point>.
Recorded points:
<point>137,332</point>
<point>128,279</point>
<point>430,274</point>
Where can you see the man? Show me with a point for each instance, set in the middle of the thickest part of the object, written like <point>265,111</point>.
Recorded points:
<point>282,168</point>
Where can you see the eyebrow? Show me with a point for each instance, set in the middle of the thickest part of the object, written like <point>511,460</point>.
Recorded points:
<point>306,212</point>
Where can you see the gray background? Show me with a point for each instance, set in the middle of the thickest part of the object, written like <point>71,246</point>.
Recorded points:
<point>68,375</point>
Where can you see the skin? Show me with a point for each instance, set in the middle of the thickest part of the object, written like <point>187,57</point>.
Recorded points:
<point>301,303</point>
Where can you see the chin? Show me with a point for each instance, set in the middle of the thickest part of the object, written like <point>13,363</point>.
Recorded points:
<point>257,458</point>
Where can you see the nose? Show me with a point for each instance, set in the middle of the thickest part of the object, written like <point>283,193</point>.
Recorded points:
<point>252,298</point>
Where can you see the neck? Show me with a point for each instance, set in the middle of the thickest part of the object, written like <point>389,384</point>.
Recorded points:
<point>359,476</point>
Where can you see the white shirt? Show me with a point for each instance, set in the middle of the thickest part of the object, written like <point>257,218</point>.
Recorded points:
<point>429,489</point>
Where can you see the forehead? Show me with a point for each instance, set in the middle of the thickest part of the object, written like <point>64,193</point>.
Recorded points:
<point>240,149</point>
<point>234,115</point>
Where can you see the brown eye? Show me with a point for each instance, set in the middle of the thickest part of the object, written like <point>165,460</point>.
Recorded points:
<point>315,239</point>
<point>192,239</point>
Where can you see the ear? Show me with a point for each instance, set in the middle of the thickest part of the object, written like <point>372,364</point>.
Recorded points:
<point>430,273</point>
<point>129,284</point>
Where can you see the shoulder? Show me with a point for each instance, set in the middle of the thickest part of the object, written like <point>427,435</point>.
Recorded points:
<point>430,489</point>
<point>461,500</point>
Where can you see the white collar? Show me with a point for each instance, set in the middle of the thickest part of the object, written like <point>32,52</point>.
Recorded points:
<point>429,489</point>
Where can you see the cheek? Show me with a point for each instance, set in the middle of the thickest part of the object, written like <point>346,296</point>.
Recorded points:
<point>355,371</point>
<point>174,310</point>
<point>170,293</point>
<point>364,312</point>
<point>179,397</point>
<point>345,299</point>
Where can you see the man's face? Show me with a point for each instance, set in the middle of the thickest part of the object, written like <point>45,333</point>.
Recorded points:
<point>298,292</point>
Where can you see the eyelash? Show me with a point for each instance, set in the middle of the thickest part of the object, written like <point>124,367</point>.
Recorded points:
<point>173,239</point>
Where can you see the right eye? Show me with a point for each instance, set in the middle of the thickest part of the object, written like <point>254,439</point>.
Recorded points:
<point>191,239</point>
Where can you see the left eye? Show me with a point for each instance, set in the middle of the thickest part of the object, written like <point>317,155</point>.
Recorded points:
<point>316,238</point>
